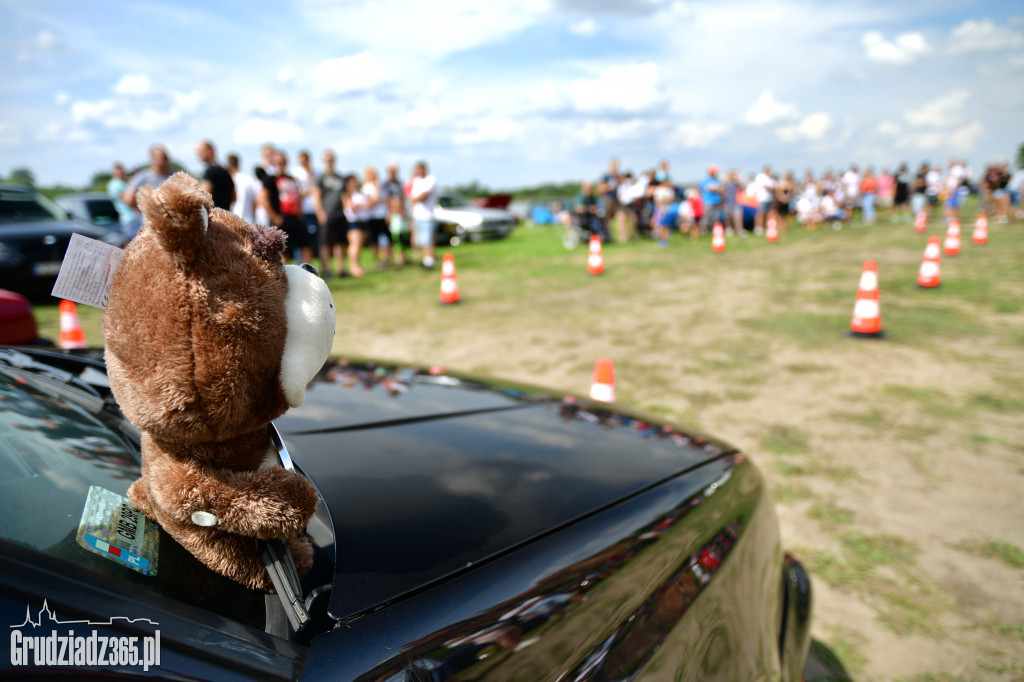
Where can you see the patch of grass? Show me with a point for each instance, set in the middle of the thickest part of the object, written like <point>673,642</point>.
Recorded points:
<point>812,330</point>
<point>1008,306</point>
<point>740,395</point>
<point>935,677</point>
<point>885,549</point>
<point>872,419</point>
<point>1013,631</point>
<point>932,401</point>
<point>792,492</point>
<point>1007,552</point>
<point>998,403</point>
<point>830,514</point>
<point>823,468</point>
<point>785,440</point>
<point>807,368</point>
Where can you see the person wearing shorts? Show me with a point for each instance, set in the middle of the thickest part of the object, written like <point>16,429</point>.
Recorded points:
<point>281,199</point>
<point>423,194</point>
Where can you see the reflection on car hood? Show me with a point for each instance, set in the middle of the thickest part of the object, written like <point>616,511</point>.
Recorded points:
<point>463,471</point>
<point>43,227</point>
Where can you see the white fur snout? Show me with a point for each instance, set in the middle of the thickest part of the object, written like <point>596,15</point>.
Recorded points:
<point>310,311</point>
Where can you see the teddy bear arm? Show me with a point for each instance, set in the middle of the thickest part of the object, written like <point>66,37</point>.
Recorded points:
<point>270,503</point>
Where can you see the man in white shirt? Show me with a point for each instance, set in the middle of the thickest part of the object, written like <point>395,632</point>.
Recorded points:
<point>423,195</point>
<point>306,178</point>
<point>851,191</point>
<point>246,189</point>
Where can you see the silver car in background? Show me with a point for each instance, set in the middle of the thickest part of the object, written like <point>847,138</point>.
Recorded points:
<point>458,220</point>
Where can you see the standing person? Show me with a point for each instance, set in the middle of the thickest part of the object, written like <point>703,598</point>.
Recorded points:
<point>785,192</point>
<point>423,194</point>
<point>280,198</point>
<point>157,172</point>
<point>215,180</point>
<point>330,211</point>
<point>919,193</point>
<point>377,232</point>
<point>868,193</point>
<point>851,191</point>
<point>115,188</point>
<point>711,194</point>
<point>933,188</point>
<point>732,213</point>
<point>884,199</point>
<point>764,193</point>
<point>306,178</point>
<point>901,193</point>
<point>609,190</point>
<point>355,206</point>
<point>398,225</point>
<point>954,181</point>
<point>263,172</point>
<point>246,189</point>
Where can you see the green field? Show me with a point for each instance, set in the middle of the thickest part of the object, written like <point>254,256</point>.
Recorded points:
<point>896,463</point>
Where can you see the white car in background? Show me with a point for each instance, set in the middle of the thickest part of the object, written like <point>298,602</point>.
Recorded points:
<point>458,220</point>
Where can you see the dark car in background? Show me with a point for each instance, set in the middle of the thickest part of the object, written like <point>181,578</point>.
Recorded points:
<point>459,220</point>
<point>467,529</point>
<point>34,234</point>
<point>94,207</point>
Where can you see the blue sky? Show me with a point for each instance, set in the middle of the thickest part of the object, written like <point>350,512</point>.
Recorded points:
<point>512,93</point>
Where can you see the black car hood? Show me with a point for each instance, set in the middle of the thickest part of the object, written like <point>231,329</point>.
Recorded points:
<point>426,473</point>
<point>30,229</point>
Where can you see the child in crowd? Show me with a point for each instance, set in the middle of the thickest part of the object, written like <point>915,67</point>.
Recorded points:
<point>398,224</point>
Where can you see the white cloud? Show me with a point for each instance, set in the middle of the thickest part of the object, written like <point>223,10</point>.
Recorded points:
<point>261,104</point>
<point>491,130</point>
<point>624,87</point>
<point>982,36</point>
<point>46,40</point>
<point>904,49</point>
<point>256,130</point>
<point>584,27</point>
<point>424,29</point>
<point>62,98</point>
<point>965,137</point>
<point>812,128</point>
<point>341,75</point>
<point>889,128</point>
<point>695,135</point>
<point>943,111</point>
<point>133,84</point>
<point>766,109</point>
<point>286,76</point>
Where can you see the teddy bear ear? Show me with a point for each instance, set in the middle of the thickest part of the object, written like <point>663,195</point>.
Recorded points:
<point>178,214</point>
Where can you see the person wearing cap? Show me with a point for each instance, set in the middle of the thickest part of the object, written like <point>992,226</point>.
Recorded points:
<point>711,193</point>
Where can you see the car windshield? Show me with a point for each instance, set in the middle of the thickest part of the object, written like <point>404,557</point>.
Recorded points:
<point>52,452</point>
<point>20,204</point>
<point>452,201</point>
<point>101,211</point>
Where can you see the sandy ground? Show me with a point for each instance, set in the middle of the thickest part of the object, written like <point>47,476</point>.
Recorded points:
<point>881,464</point>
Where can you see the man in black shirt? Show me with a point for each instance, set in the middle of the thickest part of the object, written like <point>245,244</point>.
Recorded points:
<point>216,180</point>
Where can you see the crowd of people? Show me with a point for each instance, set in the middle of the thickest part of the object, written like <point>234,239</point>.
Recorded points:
<point>325,214</point>
<point>337,217</point>
<point>619,205</point>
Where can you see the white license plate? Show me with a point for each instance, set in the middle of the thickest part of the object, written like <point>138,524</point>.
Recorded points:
<point>46,268</point>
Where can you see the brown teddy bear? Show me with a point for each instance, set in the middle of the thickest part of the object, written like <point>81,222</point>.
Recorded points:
<point>209,336</point>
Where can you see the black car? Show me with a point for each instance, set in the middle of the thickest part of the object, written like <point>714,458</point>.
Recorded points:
<point>94,207</point>
<point>467,530</point>
<point>34,234</point>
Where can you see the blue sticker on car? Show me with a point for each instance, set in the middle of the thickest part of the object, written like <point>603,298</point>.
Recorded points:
<point>114,529</point>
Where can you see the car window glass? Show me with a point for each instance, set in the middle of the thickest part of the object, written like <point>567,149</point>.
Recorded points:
<point>22,205</point>
<point>51,452</point>
<point>101,211</point>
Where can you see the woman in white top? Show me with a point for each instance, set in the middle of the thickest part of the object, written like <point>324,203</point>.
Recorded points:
<point>356,207</point>
<point>377,234</point>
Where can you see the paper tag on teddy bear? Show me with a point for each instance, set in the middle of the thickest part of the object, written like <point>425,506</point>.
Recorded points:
<point>87,271</point>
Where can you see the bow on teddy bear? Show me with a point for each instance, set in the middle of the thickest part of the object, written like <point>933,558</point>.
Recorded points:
<point>208,337</point>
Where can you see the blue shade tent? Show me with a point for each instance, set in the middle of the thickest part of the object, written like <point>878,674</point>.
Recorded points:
<point>542,215</point>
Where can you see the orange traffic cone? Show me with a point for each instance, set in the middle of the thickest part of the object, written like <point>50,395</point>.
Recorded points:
<point>929,275</point>
<point>718,238</point>
<point>603,387</point>
<point>595,259</point>
<point>771,232</point>
<point>71,333</point>
<point>980,235</point>
<point>921,221</point>
<point>867,317</point>
<point>449,287</point>
<point>951,246</point>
